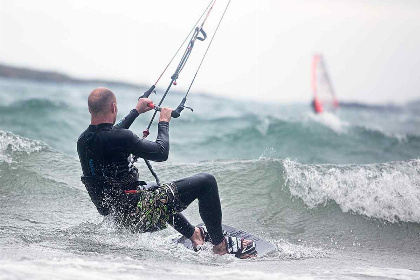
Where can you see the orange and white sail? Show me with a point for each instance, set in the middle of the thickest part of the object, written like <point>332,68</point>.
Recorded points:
<point>323,91</point>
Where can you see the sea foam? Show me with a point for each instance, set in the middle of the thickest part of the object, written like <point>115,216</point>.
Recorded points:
<point>388,191</point>
<point>11,144</point>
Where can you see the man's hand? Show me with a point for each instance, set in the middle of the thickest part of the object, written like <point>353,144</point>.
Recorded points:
<point>165,114</point>
<point>142,105</point>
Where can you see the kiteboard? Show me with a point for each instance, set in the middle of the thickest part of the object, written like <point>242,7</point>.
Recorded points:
<point>263,247</point>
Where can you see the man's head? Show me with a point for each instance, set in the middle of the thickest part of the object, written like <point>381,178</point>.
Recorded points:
<point>102,105</point>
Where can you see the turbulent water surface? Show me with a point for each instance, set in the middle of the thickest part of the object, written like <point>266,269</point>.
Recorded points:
<point>338,194</point>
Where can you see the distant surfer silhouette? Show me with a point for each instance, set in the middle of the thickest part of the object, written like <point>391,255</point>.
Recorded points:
<point>317,106</point>
<point>106,154</point>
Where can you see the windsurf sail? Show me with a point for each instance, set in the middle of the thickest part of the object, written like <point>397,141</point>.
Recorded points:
<point>324,94</point>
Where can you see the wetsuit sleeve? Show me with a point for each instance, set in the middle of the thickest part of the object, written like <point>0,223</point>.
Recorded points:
<point>128,120</point>
<point>156,151</point>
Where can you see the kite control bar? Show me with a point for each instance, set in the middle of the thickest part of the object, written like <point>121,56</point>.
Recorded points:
<point>175,113</point>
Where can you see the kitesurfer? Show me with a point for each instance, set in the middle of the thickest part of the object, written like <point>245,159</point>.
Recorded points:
<point>106,154</point>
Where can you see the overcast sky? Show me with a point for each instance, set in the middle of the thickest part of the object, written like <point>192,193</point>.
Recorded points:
<point>263,49</point>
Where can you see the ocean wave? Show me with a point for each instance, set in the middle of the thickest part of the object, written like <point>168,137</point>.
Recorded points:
<point>308,141</point>
<point>331,121</point>
<point>36,104</point>
<point>387,191</point>
<point>312,125</point>
<point>12,146</point>
<point>306,204</point>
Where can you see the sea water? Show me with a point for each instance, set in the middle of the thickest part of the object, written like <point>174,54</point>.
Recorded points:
<point>338,194</point>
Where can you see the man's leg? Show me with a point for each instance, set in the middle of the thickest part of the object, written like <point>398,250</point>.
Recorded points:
<point>203,187</point>
<point>181,224</point>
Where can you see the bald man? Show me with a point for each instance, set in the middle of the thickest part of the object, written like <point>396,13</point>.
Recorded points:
<point>112,181</point>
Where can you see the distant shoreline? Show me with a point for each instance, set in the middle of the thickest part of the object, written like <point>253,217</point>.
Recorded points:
<point>23,73</point>
<point>8,71</point>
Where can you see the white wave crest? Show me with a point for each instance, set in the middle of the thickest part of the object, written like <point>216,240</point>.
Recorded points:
<point>330,120</point>
<point>388,191</point>
<point>11,144</point>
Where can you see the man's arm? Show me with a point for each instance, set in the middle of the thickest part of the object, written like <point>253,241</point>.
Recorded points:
<point>141,107</point>
<point>156,151</point>
<point>128,120</point>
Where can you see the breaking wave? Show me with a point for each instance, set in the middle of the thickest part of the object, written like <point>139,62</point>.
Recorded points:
<point>388,191</point>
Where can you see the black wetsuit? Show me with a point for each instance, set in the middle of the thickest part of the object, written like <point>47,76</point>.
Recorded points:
<point>105,152</point>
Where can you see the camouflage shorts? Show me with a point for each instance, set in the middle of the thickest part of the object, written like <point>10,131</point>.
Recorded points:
<point>155,207</point>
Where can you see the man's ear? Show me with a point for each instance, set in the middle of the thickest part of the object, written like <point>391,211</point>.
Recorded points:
<point>114,108</point>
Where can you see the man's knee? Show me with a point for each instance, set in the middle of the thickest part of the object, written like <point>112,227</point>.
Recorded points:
<point>207,178</point>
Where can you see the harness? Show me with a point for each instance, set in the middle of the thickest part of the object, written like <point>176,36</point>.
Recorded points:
<point>107,191</point>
